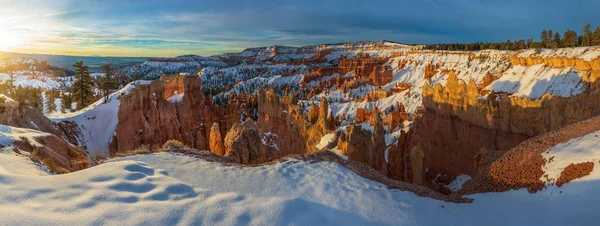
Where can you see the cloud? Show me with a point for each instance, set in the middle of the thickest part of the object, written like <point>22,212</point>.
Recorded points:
<point>213,26</point>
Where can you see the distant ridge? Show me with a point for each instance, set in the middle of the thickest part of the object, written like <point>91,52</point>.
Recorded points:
<point>66,62</point>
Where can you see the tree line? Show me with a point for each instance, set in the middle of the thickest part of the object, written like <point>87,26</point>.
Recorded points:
<point>548,39</point>
<point>80,91</point>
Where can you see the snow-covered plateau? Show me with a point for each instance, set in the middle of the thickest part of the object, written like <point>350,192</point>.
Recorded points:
<point>175,189</point>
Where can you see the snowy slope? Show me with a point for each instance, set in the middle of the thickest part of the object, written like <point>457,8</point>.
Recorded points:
<point>577,150</point>
<point>98,121</point>
<point>13,163</point>
<point>167,188</point>
<point>35,79</point>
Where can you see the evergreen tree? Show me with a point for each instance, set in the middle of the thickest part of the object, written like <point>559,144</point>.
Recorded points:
<point>586,39</point>
<point>66,102</point>
<point>596,37</point>
<point>11,83</point>
<point>549,42</point>
<point>108,82</point>
<point>569,38</point>
<point>530,43</point>
<point>50,105</point>
<point>556,42</point>
<point>545,37</point>
<point>83,85</point>
<point>28,97</point>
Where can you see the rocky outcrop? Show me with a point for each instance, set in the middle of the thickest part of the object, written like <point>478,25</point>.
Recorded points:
<point>364,146</point>
<point>286,124</point>
<point>54,152</point>
<point>522,166</point>
<point>147,117</point>
<point>216,140</point>
<point>574,171</point>
<point>458,128</point>
<point>12,114</point>
<point>243,143</point>
<point>372,68</point>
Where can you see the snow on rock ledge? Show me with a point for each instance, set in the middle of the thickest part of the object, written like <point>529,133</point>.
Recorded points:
<point>575,151</point>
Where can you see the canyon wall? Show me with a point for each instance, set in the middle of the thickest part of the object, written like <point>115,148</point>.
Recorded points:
<point>281,116</point>
<point>459,127</point>
<point>147,117</point>
<point>362,145</point>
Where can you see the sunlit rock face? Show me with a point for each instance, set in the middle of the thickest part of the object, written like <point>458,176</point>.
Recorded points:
<point>149,116</point>
<point>459,127</point>
<point>243,143</point>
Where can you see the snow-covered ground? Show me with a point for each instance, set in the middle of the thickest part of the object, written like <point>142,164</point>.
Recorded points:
<point>457,183</point>
<point>98,121</point>
<point>9,134</point>
<point>168,189</point>
<point>36,79</point>
<point>577,150</point>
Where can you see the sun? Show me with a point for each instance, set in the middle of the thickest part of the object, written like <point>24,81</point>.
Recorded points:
<point>8,40</point>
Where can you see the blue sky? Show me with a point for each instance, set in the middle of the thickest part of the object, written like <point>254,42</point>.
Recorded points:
<point>175,27</point>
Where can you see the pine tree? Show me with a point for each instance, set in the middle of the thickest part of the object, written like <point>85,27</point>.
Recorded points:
<point>108,82</point>
<point>83,86</point>
<point>556,42</point>
<point>28,97</point>
<point>50,105</point>
<point>530,43</point>
<point>596,37</point>
<point>569,38</point>
<point>544,37</point>
<point>66,102</point>
<point>11,83</point>
<point>586,39</point>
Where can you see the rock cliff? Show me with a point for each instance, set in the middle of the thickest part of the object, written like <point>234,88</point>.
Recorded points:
<point>149,116</point>
<point>243,143</point>
<point>459,127</point>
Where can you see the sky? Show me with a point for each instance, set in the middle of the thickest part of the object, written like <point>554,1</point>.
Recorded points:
<point>176,27</point>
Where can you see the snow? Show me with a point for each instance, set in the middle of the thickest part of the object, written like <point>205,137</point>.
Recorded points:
<point>585,53</point>
<point>577,150</point>
<point>34,79</point>
<point>534,81</point>
<point>169,189</point>
<point>269,139</point>
<point>13,163</point>
<point>9,134</point>
<point>177,98</point>
<point>457,183</point>
<point>98,121</point>
<point>325,140</point>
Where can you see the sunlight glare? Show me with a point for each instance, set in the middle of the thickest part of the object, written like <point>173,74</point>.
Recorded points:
<point>8,40</point>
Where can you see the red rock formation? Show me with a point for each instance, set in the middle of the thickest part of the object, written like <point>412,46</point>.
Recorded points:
<point>363,146</point>
<point>216,140</point>
<point>147,118</point>
<point>243,143</point>
<point>365,67</point>
<point>58,154</point>
<point>400,87</point>
<point>313,114</point>
<point>376,94</point>
<point>574,171</point>
<point>54,152</point>
<point>429,71</point>
<point>281,117</point>
<point>458,127</point>
<point>12,114</point>
<point>522,166</point>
